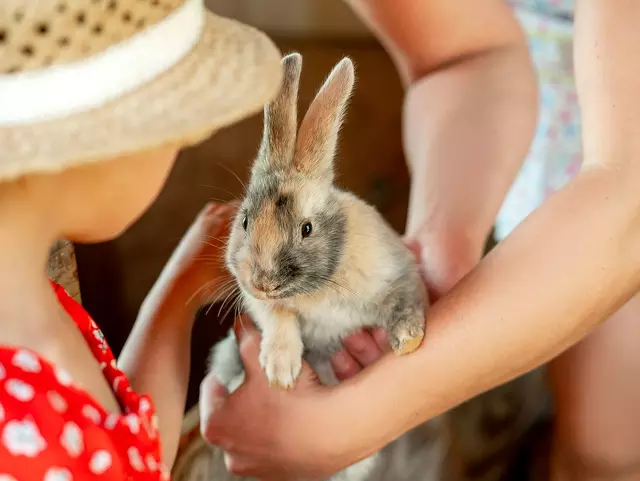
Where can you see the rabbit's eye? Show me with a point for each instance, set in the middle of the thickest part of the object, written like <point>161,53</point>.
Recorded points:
<point>306,229</point>
<point>245,222</point>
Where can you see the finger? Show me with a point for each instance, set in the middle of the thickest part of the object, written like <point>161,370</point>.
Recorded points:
<point>344,366</point>
<point>203,223</point>
<point>230,462</point>
<point>242,325</point>
<point>213,395</point>
<point>248,337</point>
<point>381,339</point>
<point>308,378</point>
<point>216,217</point>
<point>433,285</point>
<point>228,210</point>
<point>363,348</point>
<point>233,464</point>
<point>210,208</point>
<point>244,466</point>
<point>414,246</point>
<point>224,210</point>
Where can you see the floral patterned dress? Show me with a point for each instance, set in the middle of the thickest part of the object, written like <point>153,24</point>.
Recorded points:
<point>555,155</point>
<point>52,430</point>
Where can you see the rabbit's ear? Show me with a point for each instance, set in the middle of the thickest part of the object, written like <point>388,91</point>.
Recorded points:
<point>280,118</point>
<point>318,135</point>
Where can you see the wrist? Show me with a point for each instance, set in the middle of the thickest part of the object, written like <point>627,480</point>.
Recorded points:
<point>445,254</point>
<point>324,412</point>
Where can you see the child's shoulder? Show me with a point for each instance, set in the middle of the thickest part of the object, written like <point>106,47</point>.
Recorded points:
<point>53,429</point>
<point>48,421</point>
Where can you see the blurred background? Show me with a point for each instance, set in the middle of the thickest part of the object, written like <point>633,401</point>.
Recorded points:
<point>115,277</point>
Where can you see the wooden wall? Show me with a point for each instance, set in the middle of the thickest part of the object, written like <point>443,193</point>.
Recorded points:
<point>295,19</point>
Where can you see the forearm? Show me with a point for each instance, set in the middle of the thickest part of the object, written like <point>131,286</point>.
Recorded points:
<point>467,129</point>
<point>156,358</point>
<point>607,78</point>
<point>527,301</point>
<point>469,115</point>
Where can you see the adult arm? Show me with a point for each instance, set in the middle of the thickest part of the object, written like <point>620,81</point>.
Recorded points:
<point>469,115</point>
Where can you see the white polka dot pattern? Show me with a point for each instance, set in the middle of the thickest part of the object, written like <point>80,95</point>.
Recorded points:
<point>100,462</point>
<point>72,440</point>
<point>51,430</point>
<point>19,390</point>
<point>26,361</point>
<point>58,474</point>
<point>23,438</point>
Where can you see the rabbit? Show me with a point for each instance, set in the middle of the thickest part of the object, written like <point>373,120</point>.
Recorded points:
<point>314,263</point>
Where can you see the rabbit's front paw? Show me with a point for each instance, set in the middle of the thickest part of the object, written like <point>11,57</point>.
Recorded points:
<point>407,334</point>
<point>281,360</point>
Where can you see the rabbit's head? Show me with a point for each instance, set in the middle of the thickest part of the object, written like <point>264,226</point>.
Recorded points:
<point>289,235</point>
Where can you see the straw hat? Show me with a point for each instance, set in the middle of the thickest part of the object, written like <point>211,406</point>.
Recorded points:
<point>87,80</point>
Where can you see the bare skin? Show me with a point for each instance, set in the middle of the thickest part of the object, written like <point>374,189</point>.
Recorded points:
<point>156,357</point>
<point>586,272</point>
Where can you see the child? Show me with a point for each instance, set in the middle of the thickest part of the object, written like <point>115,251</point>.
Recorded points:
<point>96,102</point>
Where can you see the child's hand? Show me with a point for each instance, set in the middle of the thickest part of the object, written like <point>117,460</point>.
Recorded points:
<point>195,271</point>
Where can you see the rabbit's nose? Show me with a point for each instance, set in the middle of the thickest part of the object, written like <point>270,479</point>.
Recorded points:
<point>264,283</point>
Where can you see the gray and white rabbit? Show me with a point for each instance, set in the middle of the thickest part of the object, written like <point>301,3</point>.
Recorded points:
<point>314,263</point>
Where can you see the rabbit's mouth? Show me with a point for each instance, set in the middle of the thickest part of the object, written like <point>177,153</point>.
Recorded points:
<point>262,286</point>
<point>265,293</point>
<point>266,296</point>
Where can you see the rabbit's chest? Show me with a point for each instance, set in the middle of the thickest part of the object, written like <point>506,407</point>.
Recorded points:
<point>326,324</point>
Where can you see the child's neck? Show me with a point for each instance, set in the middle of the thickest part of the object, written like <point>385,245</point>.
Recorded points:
<point>26,298</point>
<point>30,314</point>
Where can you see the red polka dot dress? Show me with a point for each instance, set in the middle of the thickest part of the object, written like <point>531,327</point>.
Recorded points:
<point>51,430</point>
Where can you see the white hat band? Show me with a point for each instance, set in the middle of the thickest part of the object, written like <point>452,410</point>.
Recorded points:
<point>59,90</point>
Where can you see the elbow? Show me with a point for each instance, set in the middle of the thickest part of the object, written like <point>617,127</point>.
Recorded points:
<point>504,44</point>
<point>512,55</point>
<point>423,37</point>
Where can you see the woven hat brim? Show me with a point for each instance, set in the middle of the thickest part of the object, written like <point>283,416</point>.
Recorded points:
<point>229,75</point>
